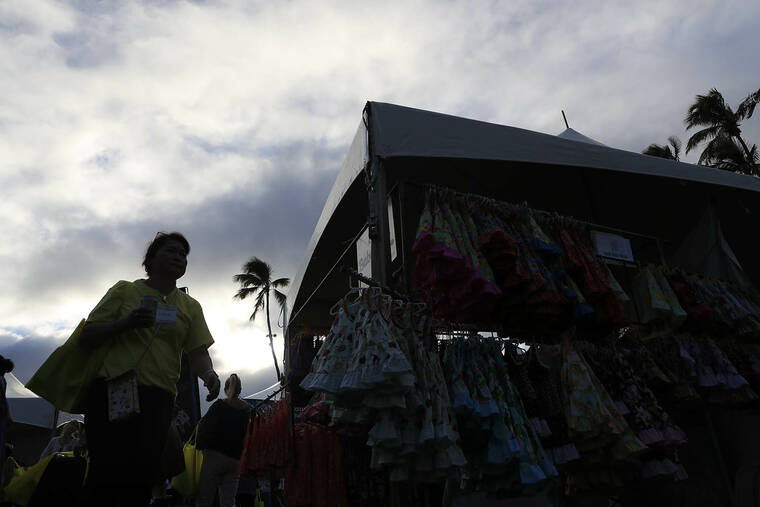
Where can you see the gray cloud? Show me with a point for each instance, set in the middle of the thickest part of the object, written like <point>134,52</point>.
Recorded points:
<point>84,50</point>
<point>27,354</point>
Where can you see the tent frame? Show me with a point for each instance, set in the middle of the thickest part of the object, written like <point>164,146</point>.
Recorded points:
<point>392,139</point>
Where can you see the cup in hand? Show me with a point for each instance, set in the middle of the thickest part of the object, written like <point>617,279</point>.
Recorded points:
<point>151,303</point>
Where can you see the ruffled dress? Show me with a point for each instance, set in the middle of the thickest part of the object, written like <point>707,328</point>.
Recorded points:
<point>617,369</point>
<point>450,271</point>
<point>504,452</point>
<point>539,387</point>
<point>601,434</point>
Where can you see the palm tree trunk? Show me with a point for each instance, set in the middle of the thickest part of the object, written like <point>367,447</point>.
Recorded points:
<point>271,343</point>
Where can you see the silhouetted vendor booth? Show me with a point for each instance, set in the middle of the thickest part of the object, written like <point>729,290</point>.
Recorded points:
<point>492,316</point>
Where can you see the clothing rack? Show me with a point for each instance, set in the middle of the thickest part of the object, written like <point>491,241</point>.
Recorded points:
<point>524,206</point>
<point>355,275</point>
<point>271,395</point>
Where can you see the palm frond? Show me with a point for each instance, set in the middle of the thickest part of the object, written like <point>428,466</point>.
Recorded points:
<point>697,138</point>
<point>747,106</point>
<point>707,109</point>
<point>281,282</point>
<point>726,153</point>
<point>259,305</point>
<point>259,268</point>
<point>280,298</point>
<point>245,292</point>
<point>675,142</point>
<point>657,150</point>
<point>248,280</point>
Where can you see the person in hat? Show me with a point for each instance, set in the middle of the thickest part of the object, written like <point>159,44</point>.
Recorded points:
<point>68,440</point>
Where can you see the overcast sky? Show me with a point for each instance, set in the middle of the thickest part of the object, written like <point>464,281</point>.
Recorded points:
<point>228,121</point>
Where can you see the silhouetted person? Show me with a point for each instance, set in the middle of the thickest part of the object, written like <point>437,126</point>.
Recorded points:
<point>68,440</point>
<point>6,366</point>
<point>153,320</point>
<point>220,435</point>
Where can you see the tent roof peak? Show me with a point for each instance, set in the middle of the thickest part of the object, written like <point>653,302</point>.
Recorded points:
<point>574,135</point>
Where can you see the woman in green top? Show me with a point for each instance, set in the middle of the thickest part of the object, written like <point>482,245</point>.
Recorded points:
<point>125,455</point>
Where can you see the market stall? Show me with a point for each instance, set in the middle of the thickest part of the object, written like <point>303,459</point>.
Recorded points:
<point>505,272</point>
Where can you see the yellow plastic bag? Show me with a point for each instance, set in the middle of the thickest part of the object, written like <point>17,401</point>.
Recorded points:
<point>188,482</point>
<point>24,482</point>
<point>258,501</point>
<point>65,376</point>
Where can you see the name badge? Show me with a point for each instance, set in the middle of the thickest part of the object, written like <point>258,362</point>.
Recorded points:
<point>166,315</point>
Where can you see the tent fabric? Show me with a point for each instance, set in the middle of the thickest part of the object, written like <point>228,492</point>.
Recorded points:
<point>26,407</point>
<point>406,132</point>
<point>574,135</point>
<point>705,250</point>
<point>352,167</point>
<point>15,389</point>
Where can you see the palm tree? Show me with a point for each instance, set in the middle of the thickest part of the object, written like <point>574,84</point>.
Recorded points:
<point>729,155</point>
<point>664,151</point>
<point>721,124</point>
<point>256,280</point>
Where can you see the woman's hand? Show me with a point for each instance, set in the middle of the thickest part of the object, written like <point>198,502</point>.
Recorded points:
<point>140,317</point>
<point>202,365</point>
<point>212,383</point>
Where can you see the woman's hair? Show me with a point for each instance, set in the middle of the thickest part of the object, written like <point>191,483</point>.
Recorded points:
<point>6,365</point>
<point>160,240</point>
<point>232,386</point>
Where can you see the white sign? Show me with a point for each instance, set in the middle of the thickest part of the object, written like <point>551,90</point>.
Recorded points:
<point>392,230</point>
<point>613,246</point>
<point>364,255</point>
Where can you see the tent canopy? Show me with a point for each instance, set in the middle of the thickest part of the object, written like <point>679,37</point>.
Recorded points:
<point>570,174</point>
<point>26,407</point>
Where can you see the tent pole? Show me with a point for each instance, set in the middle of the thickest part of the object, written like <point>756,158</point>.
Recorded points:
<point>381,242</point>
<point>377,189</point>
<point>55,423</point>
<point>402,244</point>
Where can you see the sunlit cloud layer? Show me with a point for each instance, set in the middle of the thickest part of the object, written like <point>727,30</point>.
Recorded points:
<point>229,120</point>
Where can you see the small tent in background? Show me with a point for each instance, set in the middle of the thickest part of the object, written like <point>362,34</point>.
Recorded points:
<point>33,421</point>
<point>26,407</point>
<point>705,250</point>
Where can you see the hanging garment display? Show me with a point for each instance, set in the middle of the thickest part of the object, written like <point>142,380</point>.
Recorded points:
<point>603,437</point>
<point>429,402</point>
<point>268,441</point>
<point>315,476</point>
<point>504,453</point>
<point>449,267</point>
<point>373,370</point>
<point>480,260</point>
<point>536,374</point>
<point>617,369</point>
<point>735,309</point>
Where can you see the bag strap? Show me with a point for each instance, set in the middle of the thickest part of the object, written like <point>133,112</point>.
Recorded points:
<point>155,333</point>
<point>194,436</point>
